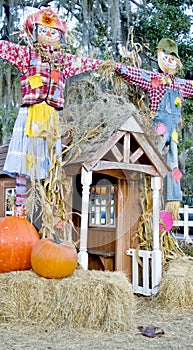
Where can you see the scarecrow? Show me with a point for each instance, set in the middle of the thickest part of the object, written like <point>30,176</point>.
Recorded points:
<point>44,66</point>
<point>166,93</point>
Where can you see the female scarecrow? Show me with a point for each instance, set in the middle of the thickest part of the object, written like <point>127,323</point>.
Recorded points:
<point>166,93</point>
<point>44,66</point>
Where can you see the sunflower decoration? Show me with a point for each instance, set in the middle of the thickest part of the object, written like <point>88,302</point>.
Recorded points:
<point>178,102</point>
<point>48,19</point>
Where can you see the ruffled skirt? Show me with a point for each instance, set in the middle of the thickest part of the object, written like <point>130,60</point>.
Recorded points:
<point>27,156</point>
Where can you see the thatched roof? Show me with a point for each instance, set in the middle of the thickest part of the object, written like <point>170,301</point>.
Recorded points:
<point>105,114</point>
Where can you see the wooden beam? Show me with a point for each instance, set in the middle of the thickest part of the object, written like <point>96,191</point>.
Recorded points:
<point>149,169</point>
<point>126,148</point>
<point>104,149</point>
<point>117,154</point>
<point>136,155</point>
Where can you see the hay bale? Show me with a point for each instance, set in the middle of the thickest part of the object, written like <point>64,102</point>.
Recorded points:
<point>176,287</point>
<point>90,299</point>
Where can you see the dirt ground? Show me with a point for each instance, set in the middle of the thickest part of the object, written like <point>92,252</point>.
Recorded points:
<point>178,333</point>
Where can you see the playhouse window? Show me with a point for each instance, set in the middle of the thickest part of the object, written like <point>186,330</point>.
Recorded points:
<point>9,194</point>
<point>102,205</point>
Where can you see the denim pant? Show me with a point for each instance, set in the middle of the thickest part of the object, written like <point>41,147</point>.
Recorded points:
<point>169,114</point>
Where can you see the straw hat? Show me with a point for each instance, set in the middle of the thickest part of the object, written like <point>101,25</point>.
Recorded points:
<point>45,17</point>
<point>168,46</point>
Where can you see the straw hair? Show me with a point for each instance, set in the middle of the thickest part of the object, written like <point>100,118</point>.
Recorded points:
<point>176,288</point>
<point>89,299</point>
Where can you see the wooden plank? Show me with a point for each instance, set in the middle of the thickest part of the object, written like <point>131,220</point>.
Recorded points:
<point>148,169</point>
<point>136,155</point>
<point>126,148</point>
<point>104,149</point>
<point>106,253</point>
<point>117,154</point>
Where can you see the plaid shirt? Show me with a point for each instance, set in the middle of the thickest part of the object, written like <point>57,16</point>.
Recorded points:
<point>155,83</point>
<point>51,88</point>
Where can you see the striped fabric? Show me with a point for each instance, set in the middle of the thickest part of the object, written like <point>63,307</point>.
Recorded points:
<point>20,196</point>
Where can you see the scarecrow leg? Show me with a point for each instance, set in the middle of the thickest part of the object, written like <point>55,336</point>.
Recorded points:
<point>20,195</point>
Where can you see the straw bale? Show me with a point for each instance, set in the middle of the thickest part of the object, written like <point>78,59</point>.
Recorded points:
<point>90,299</point>
<point>176,287</point>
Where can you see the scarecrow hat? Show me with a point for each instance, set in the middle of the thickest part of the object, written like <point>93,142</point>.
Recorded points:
<point>45,17</point>
<point>169,46</point>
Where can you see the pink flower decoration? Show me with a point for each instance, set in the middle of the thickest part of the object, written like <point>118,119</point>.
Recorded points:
<point>156,83</point>
<point>176,174</point>
<point>160,128</point>
<point>167,220</point>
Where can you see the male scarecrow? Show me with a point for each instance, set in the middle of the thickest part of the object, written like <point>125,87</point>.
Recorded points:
<point>166,93</point>
<point>44,67</point>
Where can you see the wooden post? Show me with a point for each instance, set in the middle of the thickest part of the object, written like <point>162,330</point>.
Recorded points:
<point>86,180</point>
<point>156,254</point>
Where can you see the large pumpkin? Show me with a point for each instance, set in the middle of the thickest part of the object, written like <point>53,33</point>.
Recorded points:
<point>17,236</point>
<point>54,260</point>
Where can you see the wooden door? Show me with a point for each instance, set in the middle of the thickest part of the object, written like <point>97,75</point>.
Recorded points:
<point>128,213</point>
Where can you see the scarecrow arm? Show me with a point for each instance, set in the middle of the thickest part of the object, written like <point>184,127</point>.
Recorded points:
<point>77,65</point>
<point>187,89</point>
<point>136,76</point>
<point>15,54</point>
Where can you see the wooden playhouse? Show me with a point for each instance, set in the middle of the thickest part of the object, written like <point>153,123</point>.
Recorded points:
<point>106,180</point>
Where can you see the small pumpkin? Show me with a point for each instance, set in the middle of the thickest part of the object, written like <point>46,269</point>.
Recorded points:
<point>17,237</point>
<point>53,258</point>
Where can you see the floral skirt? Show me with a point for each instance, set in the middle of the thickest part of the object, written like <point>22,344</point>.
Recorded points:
<point>27,156</point>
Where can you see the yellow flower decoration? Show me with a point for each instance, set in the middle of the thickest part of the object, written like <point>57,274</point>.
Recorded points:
<point>177,102</point>
<point>169,81</point>
<point>48,20</point>
<point>163,80</point>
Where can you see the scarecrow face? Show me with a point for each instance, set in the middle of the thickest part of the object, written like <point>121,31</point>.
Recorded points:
<point>167,63</point>
<point>49,36</point>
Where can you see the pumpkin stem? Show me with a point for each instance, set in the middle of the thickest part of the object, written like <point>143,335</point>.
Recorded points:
<point>57,240</point>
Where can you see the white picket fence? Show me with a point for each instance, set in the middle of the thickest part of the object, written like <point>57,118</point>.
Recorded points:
<point>142,276</point>
<point>185,224</point>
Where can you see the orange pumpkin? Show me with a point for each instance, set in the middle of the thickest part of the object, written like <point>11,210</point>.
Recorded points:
<point>17,236</point>
<point>53,259</point>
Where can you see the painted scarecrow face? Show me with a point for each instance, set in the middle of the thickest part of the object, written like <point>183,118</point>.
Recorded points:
<point>167,62</point>
<point>49,36</point>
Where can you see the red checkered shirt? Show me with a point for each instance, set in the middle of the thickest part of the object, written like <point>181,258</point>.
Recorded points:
<point>30,65</point>
<point>155,83</point>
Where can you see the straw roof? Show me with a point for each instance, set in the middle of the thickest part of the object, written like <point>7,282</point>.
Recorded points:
<point>92,107</point>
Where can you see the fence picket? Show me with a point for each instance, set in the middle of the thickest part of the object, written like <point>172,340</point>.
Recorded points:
<point>186,223</point>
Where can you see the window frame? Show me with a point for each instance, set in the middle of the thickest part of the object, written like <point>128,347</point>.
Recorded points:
<point>102,205</point>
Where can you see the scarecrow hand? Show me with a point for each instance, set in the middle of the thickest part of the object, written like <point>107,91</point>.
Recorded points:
<point>107,67</point>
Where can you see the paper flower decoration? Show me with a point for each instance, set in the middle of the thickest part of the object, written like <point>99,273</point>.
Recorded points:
<point>160,128</point>
<point>156,83</point>
<point>166,81</point>
<point>175,136</point>
<point>178,102</point>
<point>176,174</point>
<point>166,220</point>
<point>48,20</point>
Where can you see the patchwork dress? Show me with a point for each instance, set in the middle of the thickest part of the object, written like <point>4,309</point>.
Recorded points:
<point>166,94</point>
<point>43,77</point>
